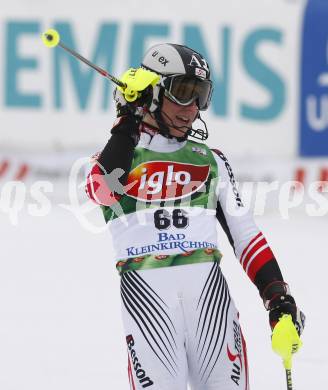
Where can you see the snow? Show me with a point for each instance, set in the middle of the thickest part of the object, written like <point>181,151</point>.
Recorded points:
<point>60,325</point>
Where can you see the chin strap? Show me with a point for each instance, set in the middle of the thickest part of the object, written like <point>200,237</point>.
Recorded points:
<point>200,134</point>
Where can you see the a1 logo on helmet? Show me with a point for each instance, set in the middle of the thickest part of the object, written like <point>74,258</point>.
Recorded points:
<point>200,63</point>
<point>165,180</point>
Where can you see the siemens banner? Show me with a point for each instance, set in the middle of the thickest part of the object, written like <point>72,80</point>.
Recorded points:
<point>105,50</point>
<point>49,99</point>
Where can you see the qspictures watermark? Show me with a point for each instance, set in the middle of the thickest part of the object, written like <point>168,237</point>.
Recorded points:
<point>15,196</point>
<point>37,198</point>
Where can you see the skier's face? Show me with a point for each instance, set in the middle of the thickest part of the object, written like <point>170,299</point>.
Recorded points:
<point>178,118</point>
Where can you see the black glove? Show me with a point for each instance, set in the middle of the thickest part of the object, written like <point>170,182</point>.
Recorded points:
<point>277,299</point>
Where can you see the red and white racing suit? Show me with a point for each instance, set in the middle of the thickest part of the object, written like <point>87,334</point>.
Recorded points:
<point>180,321</point>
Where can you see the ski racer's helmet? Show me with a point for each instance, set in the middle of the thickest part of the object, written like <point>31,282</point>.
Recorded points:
<point>185,77</point>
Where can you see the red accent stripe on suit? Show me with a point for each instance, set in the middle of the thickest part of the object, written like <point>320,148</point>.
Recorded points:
<point>255,248</point>
<point>261,259</point>
<point>245,361</point>
<point>132,385</point>
<point>250,243</point>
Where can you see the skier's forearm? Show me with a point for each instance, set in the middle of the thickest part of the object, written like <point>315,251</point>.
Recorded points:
<point>268,273</point>
<point>118,153</point>
<point>108,176</point>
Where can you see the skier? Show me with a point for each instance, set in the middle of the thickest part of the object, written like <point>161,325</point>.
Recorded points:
<point>163,194</point>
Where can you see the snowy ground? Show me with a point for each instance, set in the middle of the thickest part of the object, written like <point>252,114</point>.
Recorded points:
<point>60,323</point>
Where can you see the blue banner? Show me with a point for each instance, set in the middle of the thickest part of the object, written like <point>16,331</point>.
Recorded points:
<point>314,80</point>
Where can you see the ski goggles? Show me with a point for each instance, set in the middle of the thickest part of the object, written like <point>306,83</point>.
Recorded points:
<point>184,90</point>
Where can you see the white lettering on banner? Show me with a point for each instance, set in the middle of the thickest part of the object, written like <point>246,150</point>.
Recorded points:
<point>323,77</point>
<point>317,112</point>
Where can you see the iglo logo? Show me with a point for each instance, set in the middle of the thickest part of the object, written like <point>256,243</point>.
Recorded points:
<point>166,180</point>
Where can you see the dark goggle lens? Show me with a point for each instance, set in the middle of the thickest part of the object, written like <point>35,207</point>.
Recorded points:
<point>185,90</point>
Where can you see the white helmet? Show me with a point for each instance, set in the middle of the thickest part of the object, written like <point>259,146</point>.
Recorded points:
<point>185,77</point>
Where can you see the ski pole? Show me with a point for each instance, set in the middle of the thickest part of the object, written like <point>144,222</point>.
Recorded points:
<point>289,378</point>
<point>51,38</point>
